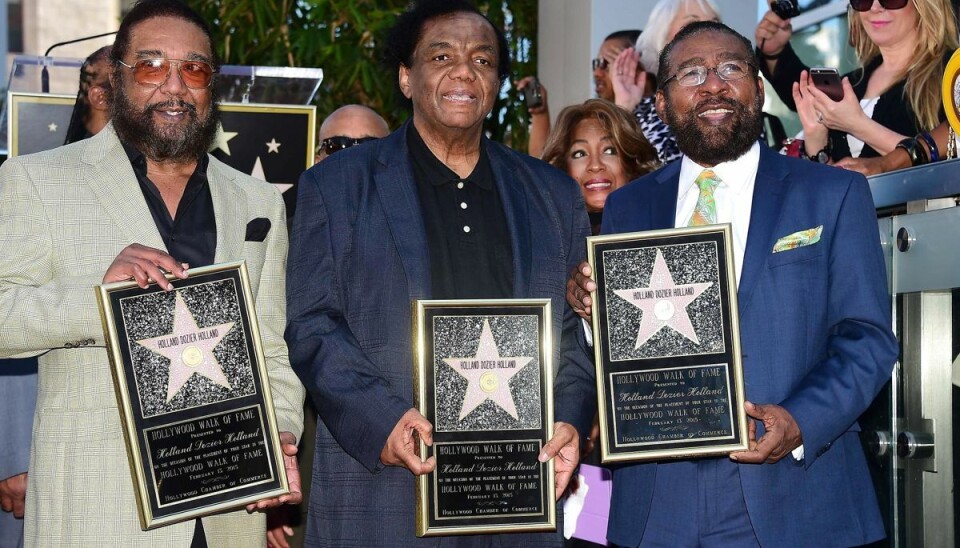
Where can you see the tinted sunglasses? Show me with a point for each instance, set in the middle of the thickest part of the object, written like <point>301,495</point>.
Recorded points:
<point>865,5</point>
<point>154,72</point>
<point>339,142</point>
<point>600,63</point>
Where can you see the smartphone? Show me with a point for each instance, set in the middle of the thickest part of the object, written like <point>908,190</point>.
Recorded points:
<point>531,94</point>
<point>827,80</point>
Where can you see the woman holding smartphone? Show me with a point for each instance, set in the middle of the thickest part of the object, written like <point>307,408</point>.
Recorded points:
<point>902,46</point>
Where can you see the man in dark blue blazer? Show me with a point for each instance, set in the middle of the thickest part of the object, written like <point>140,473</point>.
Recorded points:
<point>434,210</point>
<point>18,398</point>
<point>814,318</point>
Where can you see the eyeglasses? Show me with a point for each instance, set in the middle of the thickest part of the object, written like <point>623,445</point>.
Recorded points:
<point>154,72</point>
<point>600,63</point>
<point>339,142</point>
<point>728,71</point>
<point>865,5</point>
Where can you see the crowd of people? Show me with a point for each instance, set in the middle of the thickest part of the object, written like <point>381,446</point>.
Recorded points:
<point>436,210</point>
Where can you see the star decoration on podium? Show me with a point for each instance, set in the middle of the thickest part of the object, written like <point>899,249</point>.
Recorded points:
<point>222,140</point>
<point>664,303</point>
<point>193,356</point>
<point>273,146</point>
<point>259,174</point>
<point>52,127</point>
<point>488,384</point>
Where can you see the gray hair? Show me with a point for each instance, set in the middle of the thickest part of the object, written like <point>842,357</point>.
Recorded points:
<point>654,36</point>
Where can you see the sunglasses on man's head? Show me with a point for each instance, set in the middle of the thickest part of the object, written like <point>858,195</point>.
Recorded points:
<point>154,72</point>
<point>339,142</point>
<point>600,63</point>
<point>865,5</point>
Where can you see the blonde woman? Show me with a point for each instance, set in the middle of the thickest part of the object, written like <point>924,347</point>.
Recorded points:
<point>902,46</point>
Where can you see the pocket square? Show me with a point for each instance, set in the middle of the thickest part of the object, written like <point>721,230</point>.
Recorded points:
<point>802,238</point>
<point>257,229</point>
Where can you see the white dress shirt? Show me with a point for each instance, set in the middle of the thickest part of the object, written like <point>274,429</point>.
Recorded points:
<point>733,197</point>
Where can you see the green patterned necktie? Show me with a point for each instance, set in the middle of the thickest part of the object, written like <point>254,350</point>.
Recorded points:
<point>706,211</point>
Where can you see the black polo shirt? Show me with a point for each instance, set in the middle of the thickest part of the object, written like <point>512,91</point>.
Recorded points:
<point>470,250</point>
<point>191,237</point>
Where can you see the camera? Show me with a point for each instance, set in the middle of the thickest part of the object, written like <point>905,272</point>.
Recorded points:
<point>531,94</point>
<point>785,9</point>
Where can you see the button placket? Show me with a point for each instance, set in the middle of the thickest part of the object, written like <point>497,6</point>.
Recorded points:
<point>463,206</point>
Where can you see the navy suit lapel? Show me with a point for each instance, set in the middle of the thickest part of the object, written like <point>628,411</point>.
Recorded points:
<point>517,213</point>
<point>401,205</point>
<point>768,194</point>
<point>663,205</point>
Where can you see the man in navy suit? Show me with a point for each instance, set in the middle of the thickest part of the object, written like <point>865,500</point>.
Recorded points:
<point>18,398</point>
<point>814,316</point>
<point>435,210</point>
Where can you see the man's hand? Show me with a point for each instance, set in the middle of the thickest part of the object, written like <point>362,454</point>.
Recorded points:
<point>278,528</point>
<point>565,446</point>
<point>402,447</point>
<point>144,264</point>
<point>13,494</point>
<point>579,287</point>
<point>782,435</point>
<point>288,444</point>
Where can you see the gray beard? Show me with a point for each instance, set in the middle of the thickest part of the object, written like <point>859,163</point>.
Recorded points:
<point>178,144</point>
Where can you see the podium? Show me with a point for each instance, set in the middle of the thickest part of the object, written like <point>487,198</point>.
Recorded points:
<point>909,430</point>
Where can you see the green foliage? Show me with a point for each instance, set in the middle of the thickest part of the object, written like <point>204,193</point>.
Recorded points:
<point>345,39</point>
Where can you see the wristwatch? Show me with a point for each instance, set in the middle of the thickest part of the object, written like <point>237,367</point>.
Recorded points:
<point>822,156</point>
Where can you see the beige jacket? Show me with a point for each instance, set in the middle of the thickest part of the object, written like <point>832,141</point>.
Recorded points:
<point>65,214</point>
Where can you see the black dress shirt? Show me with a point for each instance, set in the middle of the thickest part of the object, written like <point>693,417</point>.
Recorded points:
<point>470,249</point>
<point>191,237</point>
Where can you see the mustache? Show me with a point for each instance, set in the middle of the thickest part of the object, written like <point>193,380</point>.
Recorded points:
<point>178,103</point>
<point>714,102</point>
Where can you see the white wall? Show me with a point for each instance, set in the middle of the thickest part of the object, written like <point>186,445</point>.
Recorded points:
<point>46,22</point>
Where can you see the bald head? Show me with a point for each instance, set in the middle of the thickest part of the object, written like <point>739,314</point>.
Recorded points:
<point>354,121</point>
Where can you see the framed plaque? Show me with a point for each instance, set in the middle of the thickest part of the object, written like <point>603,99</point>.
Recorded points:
<point>193,394</point>
<point>667,344</point>
<point>37,121</point>
<point>484,379</point>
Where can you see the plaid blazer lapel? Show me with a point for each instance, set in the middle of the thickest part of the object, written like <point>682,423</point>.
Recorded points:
<point>230,210</point>
<point>111,177</point>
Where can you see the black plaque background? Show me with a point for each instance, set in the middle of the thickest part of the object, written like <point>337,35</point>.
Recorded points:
<point>608,367</point>
<point>254,125</point>
<point>436,478</point>
<point>194,505</point>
